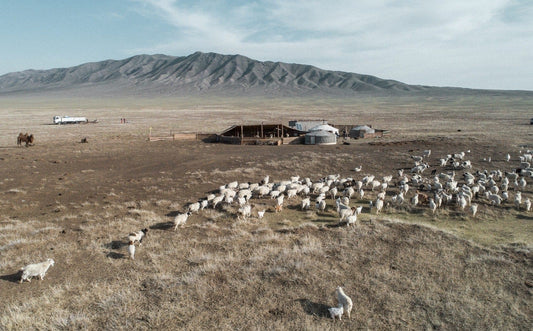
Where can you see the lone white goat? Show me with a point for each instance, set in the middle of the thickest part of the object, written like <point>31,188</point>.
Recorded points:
<point>36,269</point>
<point>181,219</point>
<point>344,300</point>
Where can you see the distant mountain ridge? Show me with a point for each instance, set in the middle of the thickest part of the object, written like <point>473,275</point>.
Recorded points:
<point>196,73</point>
<point>207,74</point>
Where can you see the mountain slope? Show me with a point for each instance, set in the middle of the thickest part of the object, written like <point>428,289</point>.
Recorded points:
<point>196,73</point>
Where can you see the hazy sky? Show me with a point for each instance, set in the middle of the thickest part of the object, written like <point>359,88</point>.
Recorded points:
<point>464,43</point>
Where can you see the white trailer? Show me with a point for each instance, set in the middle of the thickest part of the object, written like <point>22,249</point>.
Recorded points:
<point>69,120</point>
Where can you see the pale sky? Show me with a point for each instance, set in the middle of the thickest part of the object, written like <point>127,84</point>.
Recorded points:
<point>463,43</point>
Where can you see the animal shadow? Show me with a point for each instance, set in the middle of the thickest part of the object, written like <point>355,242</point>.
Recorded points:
<point>115,244</point>
<point>173,213</point>
<point>162,226</point>
<point>115,255</point>
<point>337,225</point>
<point>314,308</point>
<point>14,278</point>
<point>524,217</point>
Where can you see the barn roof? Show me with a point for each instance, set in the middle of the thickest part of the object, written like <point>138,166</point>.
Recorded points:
<point>264,126</point>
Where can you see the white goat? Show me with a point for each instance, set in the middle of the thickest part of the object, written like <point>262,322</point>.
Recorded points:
<point>518,199</point>
<point>473,209</point>
<point>36,269</point>
<point>245,211</point>
<point>321,205</point>
<point>232,185</point>
<point>379,205</point>
<point>344,300</point>
<point>216,200</point>
<point>180,219</point>
<point>306,203</point>
<point>131,250</point>
<point>345,201</point>
<point>432,205</point>
<point>261,213</point>
<point>351,220</point>
<point>137,236</point>
<point>194,207</point>
<point>335,312</point>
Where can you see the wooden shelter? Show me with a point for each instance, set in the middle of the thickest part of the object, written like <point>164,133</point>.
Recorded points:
<point>261,134</point>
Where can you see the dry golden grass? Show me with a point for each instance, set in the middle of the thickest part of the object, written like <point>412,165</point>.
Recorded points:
<point>406,269</point>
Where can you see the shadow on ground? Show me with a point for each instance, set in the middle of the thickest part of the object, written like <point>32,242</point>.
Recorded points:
<point>314,308</point>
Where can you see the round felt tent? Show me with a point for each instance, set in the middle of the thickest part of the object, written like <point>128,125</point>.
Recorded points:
<point>320,137</point>
<point>360,131</point>
<point>325,127</point>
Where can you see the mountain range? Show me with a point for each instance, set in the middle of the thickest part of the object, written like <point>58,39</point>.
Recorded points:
<point>199,73</point>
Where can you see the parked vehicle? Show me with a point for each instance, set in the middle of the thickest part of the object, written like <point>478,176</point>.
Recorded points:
<point>69,120</point>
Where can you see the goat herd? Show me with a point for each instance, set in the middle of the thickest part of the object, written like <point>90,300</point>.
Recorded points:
<point>452,184</point>
<point>438,190</point>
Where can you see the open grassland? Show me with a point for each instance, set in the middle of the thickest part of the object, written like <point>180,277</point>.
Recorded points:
<point>404,269</point>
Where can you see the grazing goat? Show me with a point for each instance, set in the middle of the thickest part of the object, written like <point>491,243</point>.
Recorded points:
<point>344,300</point>
<point>36,269</point>
<point>137,236</point>
<point>335,312</point>
<point>261,213</point>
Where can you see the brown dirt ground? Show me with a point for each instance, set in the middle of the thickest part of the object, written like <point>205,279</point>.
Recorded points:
<point>76,202</point>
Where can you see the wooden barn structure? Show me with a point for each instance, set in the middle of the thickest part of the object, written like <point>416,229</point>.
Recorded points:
<point>261,134</point>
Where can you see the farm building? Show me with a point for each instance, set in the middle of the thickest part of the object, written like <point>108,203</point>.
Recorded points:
<point>320,137</point>
<point>261,134</point>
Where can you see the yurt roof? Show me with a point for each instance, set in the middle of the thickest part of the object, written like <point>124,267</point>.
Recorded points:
<point>365,128</point>
<point>324,127</point>
<point>320,133</point>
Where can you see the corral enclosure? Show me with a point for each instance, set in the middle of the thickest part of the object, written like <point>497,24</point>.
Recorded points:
<point>404,269</point>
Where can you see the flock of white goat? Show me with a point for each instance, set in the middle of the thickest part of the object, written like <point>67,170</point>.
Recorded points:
<point>453,183</point>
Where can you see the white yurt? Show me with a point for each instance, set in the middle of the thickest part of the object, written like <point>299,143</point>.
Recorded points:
<point>320,137</point>
<point>360,131</point>
<point>325,127</point>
